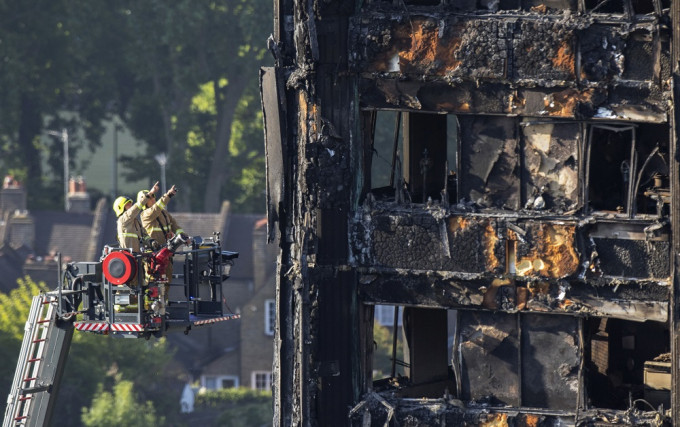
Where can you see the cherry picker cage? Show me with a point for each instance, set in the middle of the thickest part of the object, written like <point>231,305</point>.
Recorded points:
<point>124,295</point>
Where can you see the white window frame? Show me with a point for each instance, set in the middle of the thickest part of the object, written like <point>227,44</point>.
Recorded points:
<point>384,314</point>
<point>218,381</point>
<point>269,316</point>
<point>267,380</point>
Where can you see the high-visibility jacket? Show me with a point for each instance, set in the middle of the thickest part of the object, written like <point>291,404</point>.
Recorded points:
<point>130,229</point>
<point>158,222</point>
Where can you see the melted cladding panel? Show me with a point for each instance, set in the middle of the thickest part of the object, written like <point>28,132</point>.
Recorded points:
<point>551,165</point>
<point>550,361</point>
<point>489,162</point>
<point>489,353</point>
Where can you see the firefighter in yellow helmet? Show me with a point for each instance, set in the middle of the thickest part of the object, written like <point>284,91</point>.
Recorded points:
<point>158,222</point>
<point>129,229</point>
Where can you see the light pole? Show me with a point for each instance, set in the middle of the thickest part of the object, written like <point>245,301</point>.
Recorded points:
<point>162,160</point>
<point>64,139</point>
<point>114,160</point>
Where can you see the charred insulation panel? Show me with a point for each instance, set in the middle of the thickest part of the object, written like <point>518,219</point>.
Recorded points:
<point>489,172</point>
<point>489,358</point>
<point>520,360</point>
<point>633,258</point>
<point>551,159</point>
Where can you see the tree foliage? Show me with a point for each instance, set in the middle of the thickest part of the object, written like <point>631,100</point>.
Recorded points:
<point>240,407</point>
<point>74,64</point>
<point>15,306</point>
<point>120,408</point>
<point>94,361</point>
<point>109,360</point>
<point>382,353</point>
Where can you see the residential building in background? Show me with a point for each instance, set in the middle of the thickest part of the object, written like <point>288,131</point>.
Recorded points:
<point>225,354</point>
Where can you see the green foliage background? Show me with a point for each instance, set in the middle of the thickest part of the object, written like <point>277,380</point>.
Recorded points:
<point>182,76</point>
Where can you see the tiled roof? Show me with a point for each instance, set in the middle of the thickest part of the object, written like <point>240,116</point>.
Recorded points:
<point>199,224</point>
<point>239,238</point>
<point>65,232</point>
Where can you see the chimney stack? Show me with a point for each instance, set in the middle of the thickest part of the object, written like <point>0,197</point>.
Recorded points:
<point>79,200</point>
<point>12,195</point>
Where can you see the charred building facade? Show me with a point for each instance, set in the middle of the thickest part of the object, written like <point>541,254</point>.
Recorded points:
<point>505,174</point>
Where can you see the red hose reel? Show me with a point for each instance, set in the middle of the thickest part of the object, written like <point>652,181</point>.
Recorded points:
<point>119,267</point>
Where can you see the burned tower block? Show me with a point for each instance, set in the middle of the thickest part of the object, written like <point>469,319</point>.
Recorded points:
<point>478,211</point>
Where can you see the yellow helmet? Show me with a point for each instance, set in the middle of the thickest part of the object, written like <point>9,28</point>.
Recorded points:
<point>119,205</point>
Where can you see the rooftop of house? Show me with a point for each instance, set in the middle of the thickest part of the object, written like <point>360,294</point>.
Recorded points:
<point>65,232</point>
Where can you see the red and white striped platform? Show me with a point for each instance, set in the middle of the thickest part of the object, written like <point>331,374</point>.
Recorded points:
<point>104,327</point>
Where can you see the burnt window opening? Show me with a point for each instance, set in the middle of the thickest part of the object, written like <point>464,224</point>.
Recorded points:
<point>387,144</point>
<point>421,2</point>
<point>641,7</point>
<point>413,156</point>
<point>412,359</point>
<point>652,186</point>
<point>626,361</point>
<point>605,6</point>
<point>611,160</point>
<point>388,341</point>
<point>628,169</point>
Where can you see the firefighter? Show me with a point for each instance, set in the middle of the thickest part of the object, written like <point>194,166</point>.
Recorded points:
<point>158,222</point>
<point>131,234</point>
<point>130,231</point>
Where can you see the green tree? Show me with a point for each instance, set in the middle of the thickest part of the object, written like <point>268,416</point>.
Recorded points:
<point>44,72</point>
<point>107,360</point>
<point>120,408</point>
<point>73,64</point>
<point>196,95</point>
<point>247,415</point>
<point>382,353</point>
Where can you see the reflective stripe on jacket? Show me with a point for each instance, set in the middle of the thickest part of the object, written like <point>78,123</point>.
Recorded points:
<point>129,229</point>
<point>158,222</point>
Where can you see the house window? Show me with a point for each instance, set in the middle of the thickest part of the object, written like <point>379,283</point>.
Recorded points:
<point>217,382</point>
<point>261,380</point>
<point>384,314</point>
<point>269,316</point>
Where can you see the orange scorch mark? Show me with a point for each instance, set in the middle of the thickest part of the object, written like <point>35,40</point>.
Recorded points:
<point>458,223</point>
<point>495,420</point>
<point>564,103</point>
<point>426,49</point>
<point>531,420</point>
<point>553,254</point>
<point>490,240</point>
<point>565,58</point>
